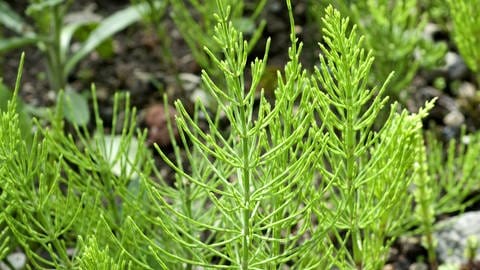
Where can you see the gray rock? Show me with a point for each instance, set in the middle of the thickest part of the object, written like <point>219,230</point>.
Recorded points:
<point>452,235</point>
<point>16,259</point>
<point>455,66</point>
<point>418,266</point>
<point>467,90</point>
<point>454,119</point>
<point>190,82</point>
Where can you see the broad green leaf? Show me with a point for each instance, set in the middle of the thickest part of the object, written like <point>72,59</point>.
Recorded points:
<point>17,42</point>
<point>104,49</point>
<point>67,33</point>
<point>106,29</point>
<point>10,19</point>
<point>75,108</point>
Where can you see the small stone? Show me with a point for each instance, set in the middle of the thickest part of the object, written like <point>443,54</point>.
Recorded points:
<point>388,267</point>
<point>418,266</point>
<point>190,82</point>
<point>199,94</point>
<point>157,124</point>
<point>51,96</point>
<point>17,260</point>
<point>454,119</point>
<point>452,237</point>
<point>467,90</point>
<point>298,29</point>
<point>466,139</point>
<point>455,66</point>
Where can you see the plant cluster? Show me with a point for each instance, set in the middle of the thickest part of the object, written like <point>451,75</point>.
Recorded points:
<point>198,33</point>
<point>467,30</point>
<point>393,31</point>
<point>324,176</point>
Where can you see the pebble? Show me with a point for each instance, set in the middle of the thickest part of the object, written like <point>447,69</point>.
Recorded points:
<point>51,96</point>
<point>454,119</point>
<point>190,81</point>
<point>16,259</point>
<point>418,266</point>
<point>388,267</point>
<point>452,237</point>
<point>200,95</point>
<point>466,90</point>
<point>156,121</point>
<point>455,66</point>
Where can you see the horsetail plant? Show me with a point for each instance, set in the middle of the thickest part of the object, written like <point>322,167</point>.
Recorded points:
<point>393,31</point>
<point>59,189</point>
<point>453,165</point>
<point>96,257</point>
<point>8,137</point>
<point>198,33</point>
<point>444,183</point>
<point>27,209</point>
<point>466,31</point>
<point>424,212</point>
<point>369,170</point>
<point>272,188</point>
<point>255,177</point>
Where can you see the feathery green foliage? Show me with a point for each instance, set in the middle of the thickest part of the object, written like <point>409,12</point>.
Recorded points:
<point>9,136</point>
<point>437,10</point>
<point>425,200</point>
<point>393,31</point>
<point>196,24</point>
<point>61,188</point>
<point>466,30</point>
<point>454,168</point>
<point>444,183</point>
<point>247,180</point>
<point>250,182</point>
<point>24,121</point>
<point>369,170</point>
<point>96,258</point>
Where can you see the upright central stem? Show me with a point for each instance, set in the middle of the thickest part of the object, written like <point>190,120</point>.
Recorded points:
<point>245,177</point>
<point>350,143</point>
